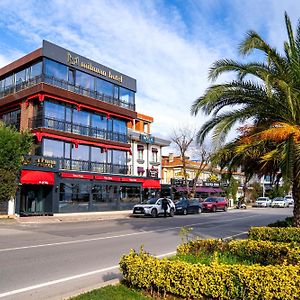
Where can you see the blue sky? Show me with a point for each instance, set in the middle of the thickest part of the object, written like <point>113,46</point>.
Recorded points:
<point>168,46</point>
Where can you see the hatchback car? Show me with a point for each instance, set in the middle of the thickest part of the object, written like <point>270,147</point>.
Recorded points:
<point>262,202</point>
<point>153,207</point>
<point>279,202</point>
<point>188,206</point>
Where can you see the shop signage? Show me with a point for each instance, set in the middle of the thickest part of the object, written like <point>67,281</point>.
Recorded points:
<point>110,178</point>
<point>75,175</point>
<point>75,61</point>
<point>38,161</point>
<point>211,183</point>
<point>147,139</point>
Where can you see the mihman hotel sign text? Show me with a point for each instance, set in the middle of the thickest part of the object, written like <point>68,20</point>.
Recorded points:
<point>89,66</point>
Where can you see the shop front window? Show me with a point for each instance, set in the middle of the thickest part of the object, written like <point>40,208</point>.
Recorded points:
<point>129,196</point>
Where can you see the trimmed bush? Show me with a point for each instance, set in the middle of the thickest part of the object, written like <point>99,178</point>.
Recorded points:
<point>215,281</point>
<point>288,222</point>
<point>276,234</point>
<point>260,252</point>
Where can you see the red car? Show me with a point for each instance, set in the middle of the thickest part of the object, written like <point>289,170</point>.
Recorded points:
<point>215,203</point>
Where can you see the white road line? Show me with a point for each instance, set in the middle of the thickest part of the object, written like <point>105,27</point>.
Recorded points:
<point>53,282</point>
<point>110,237</point>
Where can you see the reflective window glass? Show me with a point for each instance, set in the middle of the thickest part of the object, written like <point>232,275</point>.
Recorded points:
<point>126,95</point>
<point>81,153</point>
<point>81,117</point>
<point>98,155</point>
<point>21,76</point>
<point>67,150</point>
<point>98,121</point>
<point>119,126</point>
<point>85,80</point>
<point>104,87</point>
<point>56,70</point>
<point>119,157</point>
<point>53,148</point>
<point>36,70</point>
<point>9,82</point>
<point>54,110</point>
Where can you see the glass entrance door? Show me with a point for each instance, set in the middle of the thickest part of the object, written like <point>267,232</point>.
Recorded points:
<point>34,200</point>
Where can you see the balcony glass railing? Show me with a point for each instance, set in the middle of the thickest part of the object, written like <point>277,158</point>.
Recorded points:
<point>61,125</point>
<point>67,86</point>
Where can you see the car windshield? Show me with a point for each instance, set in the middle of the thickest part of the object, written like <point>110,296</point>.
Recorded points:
<point>181,202</point>
<point>151,201</point>
<point>210,199</point>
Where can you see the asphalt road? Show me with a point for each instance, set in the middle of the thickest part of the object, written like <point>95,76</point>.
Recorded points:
<point>54,261</point>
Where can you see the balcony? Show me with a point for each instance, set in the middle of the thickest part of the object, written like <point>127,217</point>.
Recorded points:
<point>44,162</point>
<point>154,163</point>
<point>66,86</point>
<point>61,125</point>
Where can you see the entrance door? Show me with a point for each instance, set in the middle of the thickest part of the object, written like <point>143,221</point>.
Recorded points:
<point>35,200</point>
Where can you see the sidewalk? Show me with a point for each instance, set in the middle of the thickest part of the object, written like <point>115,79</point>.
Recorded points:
<point>70,217</point>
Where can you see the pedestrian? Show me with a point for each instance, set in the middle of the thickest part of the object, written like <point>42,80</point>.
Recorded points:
<point>164,205</point>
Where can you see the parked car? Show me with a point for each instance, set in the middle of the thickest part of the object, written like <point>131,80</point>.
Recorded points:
<point>279,202</point>
<point>263,202</point>
<point>153,208</point>
<point>289,199</point>
<point>188,206</point>
<point>215,203</point>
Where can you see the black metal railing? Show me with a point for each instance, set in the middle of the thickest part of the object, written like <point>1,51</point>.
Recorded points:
<point>67,86</point>
<point>62,125</point>
<point>98,167</point>
<point>74,165</point>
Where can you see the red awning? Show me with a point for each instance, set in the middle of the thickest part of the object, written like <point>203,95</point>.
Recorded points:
<point>37,177</point>
<point>76,175</point>
<point>151,184</point>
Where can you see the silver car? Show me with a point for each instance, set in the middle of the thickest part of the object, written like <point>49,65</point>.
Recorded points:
<point>153,207</point>
<point>279,202</point>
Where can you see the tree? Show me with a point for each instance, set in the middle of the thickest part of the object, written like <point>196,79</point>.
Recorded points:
<point>265,95</point>
<point>13,146</point>
<point>183,138</point>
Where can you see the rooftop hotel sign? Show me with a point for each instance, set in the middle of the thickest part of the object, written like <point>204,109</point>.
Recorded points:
<point>89,66</point>
<point>67,57</point>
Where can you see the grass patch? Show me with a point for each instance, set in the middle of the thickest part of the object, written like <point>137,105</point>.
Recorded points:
<point>116,292</point>
<point>205,259</point>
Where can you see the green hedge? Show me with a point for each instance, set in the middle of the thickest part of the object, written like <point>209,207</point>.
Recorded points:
<point>215,281</point>
<point>261,252</point>
<point>277,234</point>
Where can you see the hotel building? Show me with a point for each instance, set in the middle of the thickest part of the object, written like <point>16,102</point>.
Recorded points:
<point>79,112</point>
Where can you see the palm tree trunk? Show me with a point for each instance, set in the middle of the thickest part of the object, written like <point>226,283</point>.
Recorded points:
<point>296,196</point>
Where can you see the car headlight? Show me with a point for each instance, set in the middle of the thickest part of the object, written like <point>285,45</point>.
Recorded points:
<point>147,206</point>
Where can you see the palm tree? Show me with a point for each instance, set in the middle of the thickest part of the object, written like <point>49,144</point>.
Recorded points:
<point>267,96</point>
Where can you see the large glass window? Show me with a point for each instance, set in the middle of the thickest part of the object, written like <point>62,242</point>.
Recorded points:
<point>119,157</point>
<point>85,81</point>
<point>119,126</point>
<point>81,153</point>
<point>56,70</point>
<point>9,81</point>
<point>12,118</point>
<point>53,148</point>
<point>104,87</point>
<point>36,70</point>
<point>98,154</point>
<point>126,95</point>
<point>54,110</point>
<point>129,196</point>
<point>21,77</point>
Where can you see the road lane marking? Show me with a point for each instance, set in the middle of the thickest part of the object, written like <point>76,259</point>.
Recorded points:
<point>48,283</point>
<point>111,237</point>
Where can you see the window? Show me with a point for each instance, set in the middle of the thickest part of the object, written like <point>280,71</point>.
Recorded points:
<point>9,81</point>
<point>53,148</point>
<point>54,110</point>
<point>146,127</point>
<point>12,118</point>
<point>81,153</point>
<point>99,121</point>
<point>57,70</point>
<point>119,126</point>
<point>119,157</point>
<point>85,81</point>
<point>36,70</point>
<point>21,77</point>
<point>140,149</point>
<point>104,87</point>
<point>126,96</point>
<point>98,155</point>
<point>154,155</point>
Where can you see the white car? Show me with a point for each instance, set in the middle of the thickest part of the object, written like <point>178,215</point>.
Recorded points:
<point>289,199</point>
<point>153,208</point>
<point>263,202</point>
<point>279,202</point>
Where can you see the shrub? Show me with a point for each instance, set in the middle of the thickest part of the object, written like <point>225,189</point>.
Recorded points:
<point>215,281</point>
<point>277,234</point>
<point>260,252</point>
<point>288,222</point>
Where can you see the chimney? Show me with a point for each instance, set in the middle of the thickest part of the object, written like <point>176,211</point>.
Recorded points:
<point>171,157</point>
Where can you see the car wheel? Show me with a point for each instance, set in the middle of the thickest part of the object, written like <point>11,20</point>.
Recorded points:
<point>172,212</point>
<point>225,208</point>
<point>154,213</point>
<point>184,211</point>
<point>214,209</point>
<point>199,210</point>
